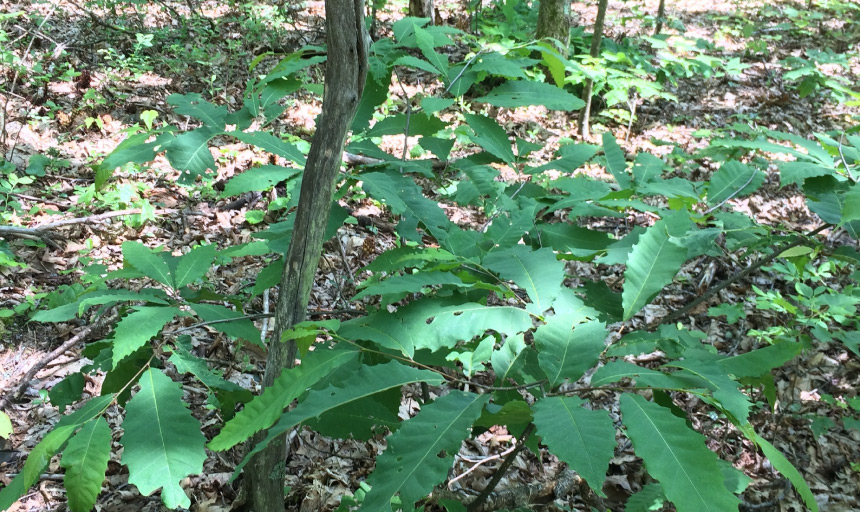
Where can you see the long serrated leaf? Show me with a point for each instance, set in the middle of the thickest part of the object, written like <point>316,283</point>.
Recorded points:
<point>651,265</point>
<point>258,179</point>
<point>522,93</point>
<point>39,456</point>
<point>490,136</point>
<point>239,327</point>
<point>148,263</point>
<point>96,298</point>
<point>733,179</point>
<point>367,381</point>
<point>759,362</point>
<point>395,287</point>
<point>162,443</point>
<point>723,388</point>
<point>406,199</point>
<point>268,142</point>
<point>193,104</point>
<point>538,272</point>
<point>194,265</point>
<point>616,164</point>
<point>85,459</point>
<point>138,327</point>
<point>262,412</point>
<point>425,41</point>
<point>567,347</point>
<point>783,465</point>
<point>582,438</point>
<point>676,456</point>
<point>420,453</point>
<point>36,462</point>
<point>189,153</point>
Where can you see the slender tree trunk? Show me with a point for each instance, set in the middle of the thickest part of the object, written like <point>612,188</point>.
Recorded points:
<point>554,22</point>
<point>346,69</point>
<point>596,40</point>
<point>422,9</point>
<point>661,14</point>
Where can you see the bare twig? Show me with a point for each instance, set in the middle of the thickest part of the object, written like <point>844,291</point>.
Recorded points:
<point>484,460</point>
<point>675,315</point>
<point>497,477</point>
<point>71,342</point>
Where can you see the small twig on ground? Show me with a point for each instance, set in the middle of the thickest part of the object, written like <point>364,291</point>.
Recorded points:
<point>265,327</point>
<point>71,342</point>
<point>497,477</point>
<point>483,461</point>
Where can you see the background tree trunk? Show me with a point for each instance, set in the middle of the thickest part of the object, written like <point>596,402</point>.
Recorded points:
<point>661,13</point>
<point>346,69</point>
<point>554,22</point>
<point>422,9</point>
<point>596,40</point>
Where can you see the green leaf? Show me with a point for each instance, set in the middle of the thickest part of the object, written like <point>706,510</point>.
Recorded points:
<point>193,104</point>
<point>420,453</point>
<point>395,287</point>
<point>723,389</point>
<point>521,93</point>
<point>651,265</point>
<point>473,361</point>
<point>406,199</point>
<point>268,142</point>
<point>194,265</point>
<point>150,264</point>
<point>416,63</point>
<point>138,327</point>
<point>186,362</point>
<point>48,447</point>
<point>162,443</point>
<point>538,272</point>
<point>189,153</point>
<point>85,459</point>
<point>574,240</point>
<point>66,392</point>
<point>242,328</point>
<point>582,438</point>
<point>367,381</point>
<point>5,426</point>
<point>262,412</point>
<point>133,149</point>
<point>676,456</point>
<point>733,179</point>
<point>616,163</point>
<point>425,41</point>
<point>419,124</point>
<point>760,362</point>
<point>490,136</point>
<point>571,158</point>
<point>258,179</point>
<point>36,462</point>
<point>567,347</point>
<point>783,465</point>
<point>68,311</point>
<point>649,499</point>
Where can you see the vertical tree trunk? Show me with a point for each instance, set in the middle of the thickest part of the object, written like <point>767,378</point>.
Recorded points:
<point>346,69</point>
<point>596,40</point>
<point>422,9</point>
<point>661,14</point>
<point>554,22</point>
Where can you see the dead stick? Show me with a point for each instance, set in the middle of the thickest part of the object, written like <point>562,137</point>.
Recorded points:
<point>74,340</point>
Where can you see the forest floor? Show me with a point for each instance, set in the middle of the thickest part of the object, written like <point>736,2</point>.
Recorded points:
<point>102,77</point>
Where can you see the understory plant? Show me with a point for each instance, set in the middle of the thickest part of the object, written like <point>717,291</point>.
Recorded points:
<point>492,325</point>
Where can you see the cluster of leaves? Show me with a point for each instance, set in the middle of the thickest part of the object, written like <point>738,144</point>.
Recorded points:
<point>498,300</point>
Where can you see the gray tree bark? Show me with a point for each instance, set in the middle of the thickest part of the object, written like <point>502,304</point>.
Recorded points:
<point>346,70</point>
<point>596,40</point>
<point>554,22</point>
<point>422,9</point>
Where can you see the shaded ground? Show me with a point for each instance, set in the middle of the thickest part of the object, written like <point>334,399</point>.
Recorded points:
<point>89,79</point>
